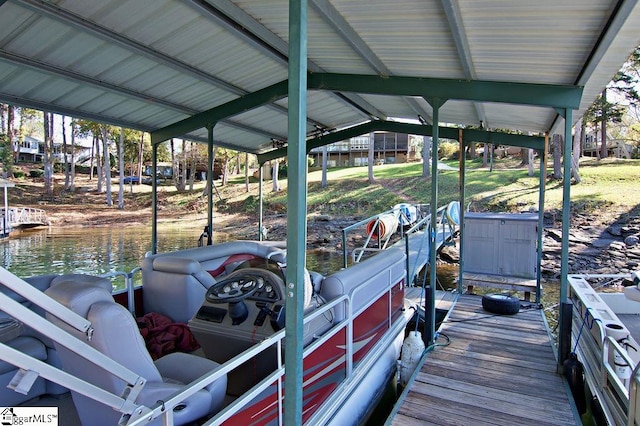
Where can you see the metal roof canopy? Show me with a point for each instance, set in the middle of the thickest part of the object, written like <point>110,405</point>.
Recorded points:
<point>179,67</point>
<point>150,64</point>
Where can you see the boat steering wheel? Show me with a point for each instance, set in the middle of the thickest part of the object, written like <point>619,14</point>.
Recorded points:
<point>238,286</point>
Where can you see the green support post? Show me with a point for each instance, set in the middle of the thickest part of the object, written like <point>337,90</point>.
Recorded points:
<point>210,183</point>
<point>463,171</point>
<point>430,334</point>
<point>154,199</point>
<point>260,201</point>
<point>564,341</point>
<point>296,211</point>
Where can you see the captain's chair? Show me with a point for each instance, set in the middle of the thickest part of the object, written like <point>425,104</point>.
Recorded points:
<point>116,335</point>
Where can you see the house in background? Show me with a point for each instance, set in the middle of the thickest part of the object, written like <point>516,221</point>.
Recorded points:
<point>388,148</point>
<point>31,150</point>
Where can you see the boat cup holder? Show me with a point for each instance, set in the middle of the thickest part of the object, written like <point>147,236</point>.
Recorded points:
<point>617,331</point>
<point>9,329</point>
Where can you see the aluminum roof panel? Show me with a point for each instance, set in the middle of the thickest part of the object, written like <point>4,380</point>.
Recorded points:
<point>151,63</point>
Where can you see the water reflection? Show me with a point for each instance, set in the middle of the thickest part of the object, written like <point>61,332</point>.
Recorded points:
<point>103,250</point>
<point>90,250</point>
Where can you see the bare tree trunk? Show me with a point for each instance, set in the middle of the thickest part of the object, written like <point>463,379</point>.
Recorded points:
<point>3,120</point>
<point>524,153</point>
<point>121,170</point>
<point>274,175</point>
<point>185,167</point>
<point>192,160</point>
<point>529,153</point>
<point>64,154</point>
<point>99,163</point>
<point>93,154</point>
<point>426,156</point>
<point>140,157</point>
<point>575,154</point>
<point>557,156</point>
<point>324,166</point>
<point>370,159</point>
<point>107,164</point>
<point>485,155</point>
<point>246,171</point>
<point>72,180</point>
<point>472,151</point>
<point>11,133</point>
<point>48,163</point>
<point>604,153</point>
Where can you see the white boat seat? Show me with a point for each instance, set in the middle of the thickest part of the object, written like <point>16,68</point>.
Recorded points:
<point>116,335</point>
<point>175,283</point>
<point>363,280</point>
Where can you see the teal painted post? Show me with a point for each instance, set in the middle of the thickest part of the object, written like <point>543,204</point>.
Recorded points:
<point>463,175</point>
<point>154,199</point>
<point>260,201</point>
<point>433,229</point>
<point>543,182</point>
<point>564,341</point>
<point>210,182</point>
<point>296,211</point>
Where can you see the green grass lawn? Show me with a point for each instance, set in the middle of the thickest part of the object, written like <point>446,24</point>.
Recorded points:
<point>605,184</point>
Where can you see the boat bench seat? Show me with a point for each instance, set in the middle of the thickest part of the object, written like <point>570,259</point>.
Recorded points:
<point>31,342</point>
<point>175,283</point>
<point>364,280</point>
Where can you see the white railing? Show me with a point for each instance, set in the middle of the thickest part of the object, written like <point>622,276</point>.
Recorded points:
<point>24,215</point>
<point>138,415</point>
<point>609,371</point>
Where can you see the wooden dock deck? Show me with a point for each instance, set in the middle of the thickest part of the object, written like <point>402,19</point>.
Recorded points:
<point>496,370</point>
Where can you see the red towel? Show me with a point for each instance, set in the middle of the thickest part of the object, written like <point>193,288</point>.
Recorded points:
<point>163,336</point>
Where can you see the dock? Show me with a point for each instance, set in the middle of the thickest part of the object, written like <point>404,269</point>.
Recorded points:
<point>495,370</point>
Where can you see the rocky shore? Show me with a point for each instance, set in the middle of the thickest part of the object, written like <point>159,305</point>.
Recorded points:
<point>595,246</point>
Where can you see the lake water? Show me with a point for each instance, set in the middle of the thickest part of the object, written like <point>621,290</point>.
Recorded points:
<point>102,250</point>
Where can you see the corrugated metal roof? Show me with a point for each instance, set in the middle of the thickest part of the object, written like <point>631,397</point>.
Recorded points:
<point>148,64</point>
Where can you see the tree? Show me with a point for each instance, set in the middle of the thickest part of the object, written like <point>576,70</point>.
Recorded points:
<point>623,89</point>
<point>48,154</point>
<point>426,157</point>
<point>121,169</point>
<point>370,158</point>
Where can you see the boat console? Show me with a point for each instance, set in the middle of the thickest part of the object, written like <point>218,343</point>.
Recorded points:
<point>246,307</point>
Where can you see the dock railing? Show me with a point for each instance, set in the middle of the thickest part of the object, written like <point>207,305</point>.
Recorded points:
<point>17,216</point>
<point>609,371</point>
<point>135,414</point>
<point>377,237</point>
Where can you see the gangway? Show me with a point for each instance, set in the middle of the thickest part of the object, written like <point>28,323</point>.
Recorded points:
<point>381,229</point>
<point>24,217</point>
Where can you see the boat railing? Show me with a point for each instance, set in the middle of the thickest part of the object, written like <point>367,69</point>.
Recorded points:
<point>129,286</point>
<point>617,367</point>
<point>377,233</point>
<point>634,398</point>
<point>442,225</point>
<point>137,414</point>
<point>21,215</point>
<point>607,365</point>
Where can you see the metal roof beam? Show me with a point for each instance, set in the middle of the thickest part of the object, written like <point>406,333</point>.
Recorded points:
<point>468,135</point>
<point>547,95</point>
<point>227,14</point>
<point>57,13</point>
<point>332,17</point>
<point>105,34</point>
<point>454,18</point>
<point>213,115</point>
<point>69,112</point>
<point>617,20</point>
<point>75,77</point>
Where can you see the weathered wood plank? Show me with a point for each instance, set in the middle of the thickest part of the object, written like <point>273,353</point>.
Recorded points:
<point>494,371</point>
<point>494,399</point>
<point>447,412</point>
